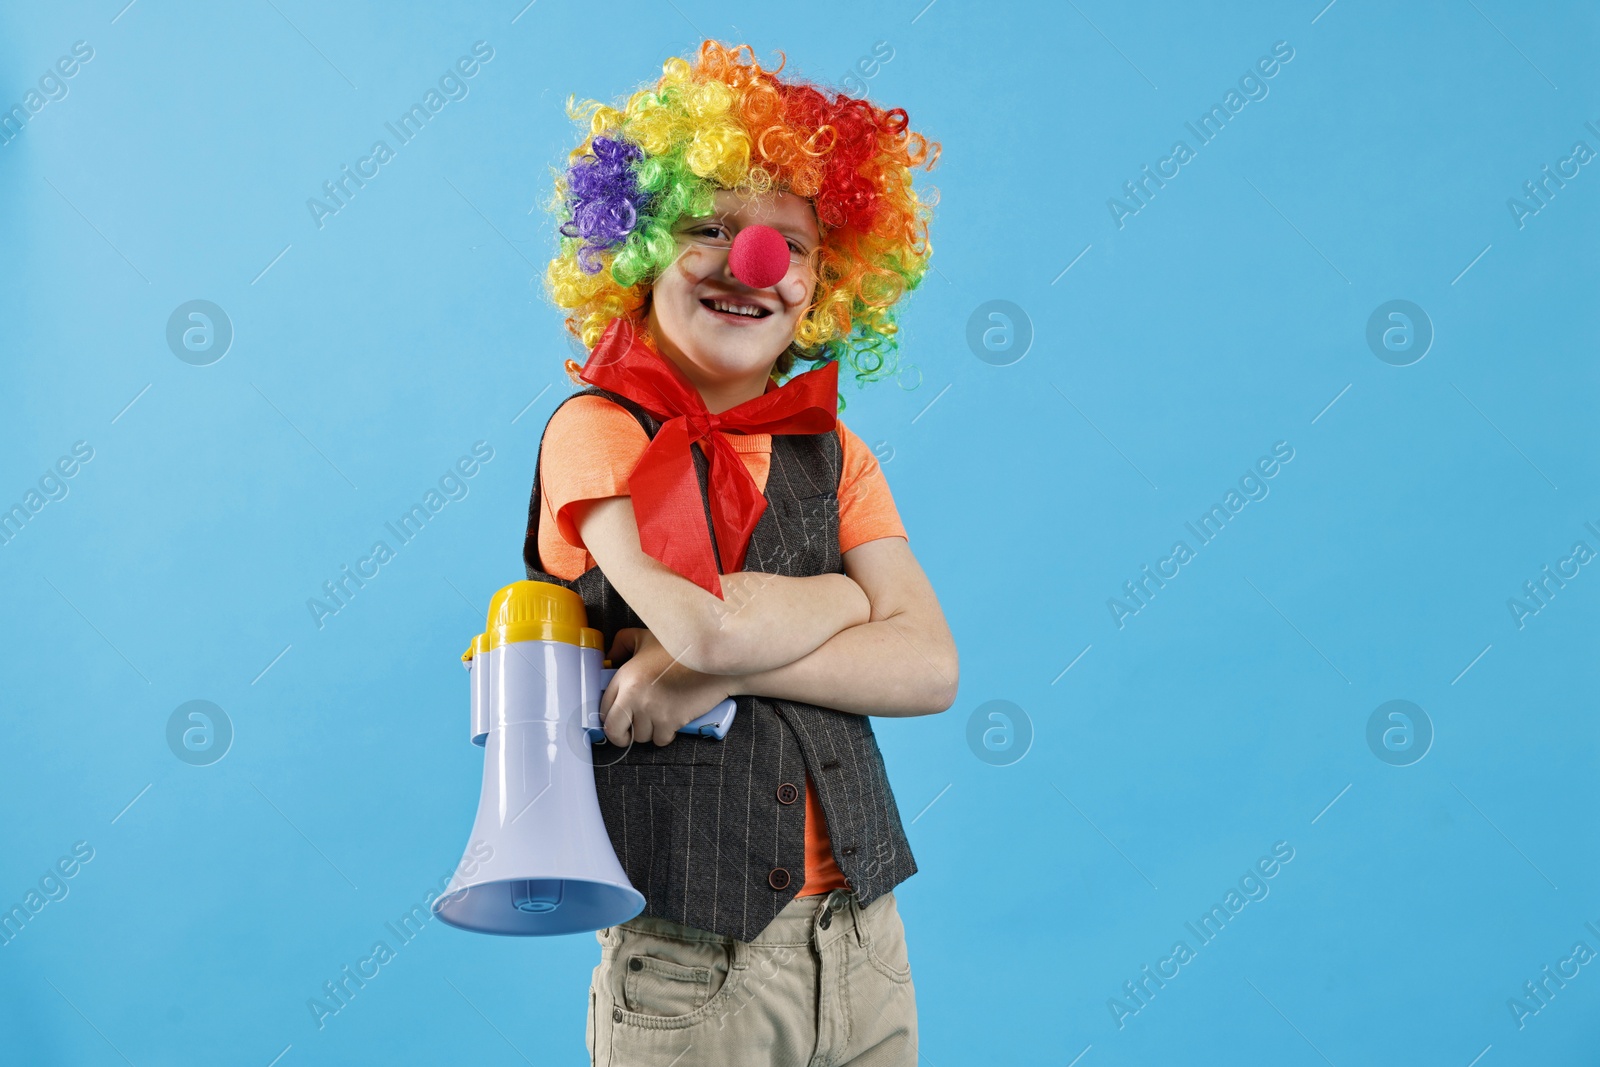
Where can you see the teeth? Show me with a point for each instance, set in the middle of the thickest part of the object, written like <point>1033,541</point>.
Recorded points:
<point>736,309</point>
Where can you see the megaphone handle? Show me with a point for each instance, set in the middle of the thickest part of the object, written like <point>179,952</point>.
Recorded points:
<point>713,724</point>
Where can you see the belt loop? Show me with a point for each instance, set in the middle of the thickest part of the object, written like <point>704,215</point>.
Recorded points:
<point>739,952</point>
<point>858,913</point>
<point>832,903</point>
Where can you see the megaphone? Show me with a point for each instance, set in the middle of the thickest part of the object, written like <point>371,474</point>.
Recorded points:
<point>536,677</point>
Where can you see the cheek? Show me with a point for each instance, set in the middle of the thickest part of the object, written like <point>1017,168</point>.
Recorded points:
<point>694,264</point>
<point>675,287</point>
<point>795,289</point>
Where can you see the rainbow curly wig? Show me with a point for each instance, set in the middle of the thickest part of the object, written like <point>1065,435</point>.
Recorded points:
<point>721,123</point>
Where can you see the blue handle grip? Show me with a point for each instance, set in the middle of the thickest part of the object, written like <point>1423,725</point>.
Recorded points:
<point>713,724</point>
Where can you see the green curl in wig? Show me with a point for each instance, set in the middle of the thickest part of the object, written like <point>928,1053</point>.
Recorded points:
<point>722,123</point>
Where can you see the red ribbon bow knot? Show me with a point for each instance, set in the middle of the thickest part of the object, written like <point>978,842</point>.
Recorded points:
<point>666,494</point>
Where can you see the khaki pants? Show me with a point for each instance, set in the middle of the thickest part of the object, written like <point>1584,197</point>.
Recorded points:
<point>801,995</point>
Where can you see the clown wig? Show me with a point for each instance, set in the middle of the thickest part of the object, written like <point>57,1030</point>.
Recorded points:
<point>721,123</point>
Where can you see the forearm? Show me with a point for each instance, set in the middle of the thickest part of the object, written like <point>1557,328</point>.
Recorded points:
<point>892,666</point>
<point>761,621</point>
<point>765,621</point>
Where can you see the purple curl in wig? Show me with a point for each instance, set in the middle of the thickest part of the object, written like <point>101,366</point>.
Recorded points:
<point>604,198</point>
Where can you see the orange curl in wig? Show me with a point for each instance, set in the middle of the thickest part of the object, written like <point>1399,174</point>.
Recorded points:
<point>725,123</point>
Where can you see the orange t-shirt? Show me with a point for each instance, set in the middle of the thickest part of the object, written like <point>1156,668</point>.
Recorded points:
<point>591,445</point>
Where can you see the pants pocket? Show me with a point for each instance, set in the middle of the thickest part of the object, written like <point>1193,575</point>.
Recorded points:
<point>588,1036</point>
<point>655,986</point>
<point>887,947</point>
<point>663,979</point>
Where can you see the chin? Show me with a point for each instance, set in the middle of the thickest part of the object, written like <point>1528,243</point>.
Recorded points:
<point>737,356</point>
<point>739,352</point>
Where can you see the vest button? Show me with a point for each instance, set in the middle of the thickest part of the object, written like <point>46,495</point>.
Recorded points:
<point>778,878</point>
<point>787,793</point>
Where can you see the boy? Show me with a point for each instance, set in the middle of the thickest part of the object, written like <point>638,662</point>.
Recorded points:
<point>730,538</point>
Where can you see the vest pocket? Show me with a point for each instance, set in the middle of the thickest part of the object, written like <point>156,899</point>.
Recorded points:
<point>816,510</point>
<point>684,750</point>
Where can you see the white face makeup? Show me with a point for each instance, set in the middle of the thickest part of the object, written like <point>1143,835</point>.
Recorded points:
<point>723,334</point>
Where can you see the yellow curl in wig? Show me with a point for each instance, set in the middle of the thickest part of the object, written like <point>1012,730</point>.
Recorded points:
<point>725,123</point>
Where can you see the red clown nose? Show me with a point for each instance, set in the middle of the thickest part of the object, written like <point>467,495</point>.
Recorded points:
<point>759,257</point>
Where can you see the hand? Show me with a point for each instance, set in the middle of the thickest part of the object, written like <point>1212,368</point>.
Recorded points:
<point>652,694</point>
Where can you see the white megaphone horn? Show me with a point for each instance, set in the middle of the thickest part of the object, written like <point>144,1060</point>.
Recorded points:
<point>536,678</point>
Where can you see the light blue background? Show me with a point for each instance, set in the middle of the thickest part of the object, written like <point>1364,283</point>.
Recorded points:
<point>1228,714</point>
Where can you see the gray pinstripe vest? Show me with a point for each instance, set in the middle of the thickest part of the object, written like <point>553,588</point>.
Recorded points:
<point>713,832</point>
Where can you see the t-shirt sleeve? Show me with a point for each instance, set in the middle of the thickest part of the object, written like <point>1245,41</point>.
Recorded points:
<point>590,447</point>
<point>866,508</point>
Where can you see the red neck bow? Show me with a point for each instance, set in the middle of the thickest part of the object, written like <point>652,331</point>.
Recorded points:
<point>666,494</point>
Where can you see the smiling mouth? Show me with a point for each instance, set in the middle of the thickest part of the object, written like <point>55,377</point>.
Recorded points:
<point>741,313</point>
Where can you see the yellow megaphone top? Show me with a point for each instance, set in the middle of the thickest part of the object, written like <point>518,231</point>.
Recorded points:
<point>535,611</point>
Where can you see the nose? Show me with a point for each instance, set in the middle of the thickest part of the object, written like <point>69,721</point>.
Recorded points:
<point>759,257</point>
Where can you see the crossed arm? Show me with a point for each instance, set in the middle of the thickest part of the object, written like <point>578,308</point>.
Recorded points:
<point>871,641</point>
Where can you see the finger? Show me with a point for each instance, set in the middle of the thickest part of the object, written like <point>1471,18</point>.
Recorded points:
<point>663,735</point>
<point>660,730</point>
<point>643,728</point>
<point>618,725</point>
<point>626,641</point>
